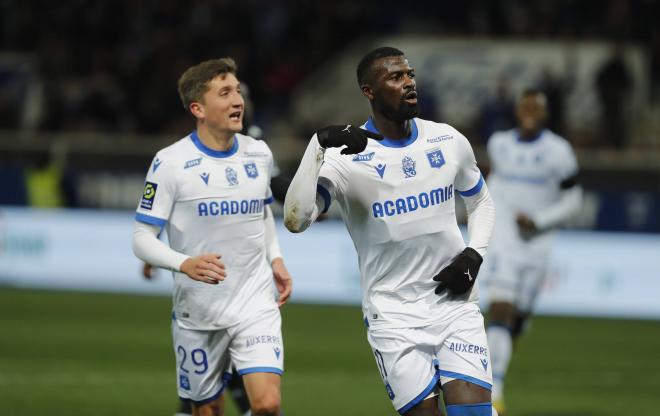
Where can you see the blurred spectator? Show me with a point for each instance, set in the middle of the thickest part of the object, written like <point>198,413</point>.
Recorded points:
<point>556,88</point>
<point>613,83</point>
<point>497,112</point>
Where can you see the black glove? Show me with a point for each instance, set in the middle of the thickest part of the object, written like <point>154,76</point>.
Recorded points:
<point>354,138</point>
<point>461,273</point>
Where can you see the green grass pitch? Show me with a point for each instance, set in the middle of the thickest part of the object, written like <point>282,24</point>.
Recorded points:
<point>91,354</point>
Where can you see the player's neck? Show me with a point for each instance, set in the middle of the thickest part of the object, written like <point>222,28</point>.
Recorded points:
<point>529,135</point>
<point>215,140</point>
<point>392,129</point>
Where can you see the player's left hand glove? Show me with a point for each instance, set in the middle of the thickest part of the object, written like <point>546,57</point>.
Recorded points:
<point>461,273</point>
<point>354,138</point>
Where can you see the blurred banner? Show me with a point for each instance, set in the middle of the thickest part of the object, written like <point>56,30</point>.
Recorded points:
<point>592,273</point>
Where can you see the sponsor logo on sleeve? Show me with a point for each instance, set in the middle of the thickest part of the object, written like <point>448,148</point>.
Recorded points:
<point>148,195</point>
<point>157,163</point>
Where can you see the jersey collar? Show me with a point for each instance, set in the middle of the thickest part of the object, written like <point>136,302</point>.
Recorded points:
<point>369,125</point>
<point>532,140</point>
<point>210,152</point>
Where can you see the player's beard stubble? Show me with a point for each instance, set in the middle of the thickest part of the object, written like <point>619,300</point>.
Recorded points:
<point>403,112</point>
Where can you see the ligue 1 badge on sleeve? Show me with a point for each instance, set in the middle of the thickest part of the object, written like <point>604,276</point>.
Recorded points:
<point>436,159</point>
<point>148,195</point>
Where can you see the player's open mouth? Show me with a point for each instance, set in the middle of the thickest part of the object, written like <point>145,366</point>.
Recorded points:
<point>235,116</point>
<point>411,97</point>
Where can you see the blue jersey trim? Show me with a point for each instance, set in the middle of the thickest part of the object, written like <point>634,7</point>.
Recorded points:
<point>473,409</point>
<point>394,142</point>
<point>327,199</point>
<point>148,219</point>
<point>269,200</point>
<point>207,400</point>
<point>467,378</point>
<point>214,153</point>
<point>475,189</point>
<point>421,396</point>
<point>260,370</point>
<point>519,138</point>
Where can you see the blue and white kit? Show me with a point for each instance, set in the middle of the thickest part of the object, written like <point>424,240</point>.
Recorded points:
<point>397,199</point>
<point>212,201</point>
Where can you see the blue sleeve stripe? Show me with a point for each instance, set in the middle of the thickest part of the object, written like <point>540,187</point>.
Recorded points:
<point>421,396</point>
<point>251,370</point>
<point>473,409</point>
<point>475,190</point>
<point>148,219</point>
<point>467,378</point>
<point>327,199</point>
<point>269,200</point>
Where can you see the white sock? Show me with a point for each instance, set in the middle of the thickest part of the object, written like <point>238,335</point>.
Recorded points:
<point>499,341</point>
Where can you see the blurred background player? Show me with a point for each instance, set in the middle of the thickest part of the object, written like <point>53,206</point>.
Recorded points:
<point>533,182</point>
<point>213,200</point>
<point>395,194</point>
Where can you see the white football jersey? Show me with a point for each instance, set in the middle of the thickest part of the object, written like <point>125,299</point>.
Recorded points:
<point>397,201</point>
<point>213,201</point>
<point>525,178</point>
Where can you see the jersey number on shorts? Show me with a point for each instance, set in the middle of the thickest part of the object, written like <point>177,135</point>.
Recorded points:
<point>198,358</point>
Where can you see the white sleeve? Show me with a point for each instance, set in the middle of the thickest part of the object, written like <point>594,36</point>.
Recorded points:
<point>568,205</point>
<point>148,248</point>
<point>302,204</point>
<point>481,219</point>
<point>159,192</point>
<point>272,245</point>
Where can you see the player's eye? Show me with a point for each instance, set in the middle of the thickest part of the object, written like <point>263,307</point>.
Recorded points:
<point>411,74</point>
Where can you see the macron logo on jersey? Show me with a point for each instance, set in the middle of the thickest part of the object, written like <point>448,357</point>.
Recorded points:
<point>412,203</point>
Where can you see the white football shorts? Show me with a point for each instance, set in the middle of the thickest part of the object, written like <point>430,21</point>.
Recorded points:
<point>514,279</point>
<point>204,359</point>
<point>415,362</point>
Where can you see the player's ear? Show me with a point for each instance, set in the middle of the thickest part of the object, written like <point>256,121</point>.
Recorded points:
<point>196,109</point>
<point>367,91</point>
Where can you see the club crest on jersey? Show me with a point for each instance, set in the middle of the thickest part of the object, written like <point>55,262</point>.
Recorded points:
<point>232,176</point>
<point>408,166</point>
<point>157,163</point>
<point>436,159</point>
<point>148,195</point>
<point>251,170</point>
<point>364,157</point>
<point>205,177</point>
<point>191,163</point>
<point>380,168</point>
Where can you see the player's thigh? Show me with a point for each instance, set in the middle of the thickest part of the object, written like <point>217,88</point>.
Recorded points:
<point>202,361</point>
<point>534,275</point>
<point>257,345</point>
<point>501,278</point>
<point>406,364</point>
<point>464,356</point>
<point>263,390</point>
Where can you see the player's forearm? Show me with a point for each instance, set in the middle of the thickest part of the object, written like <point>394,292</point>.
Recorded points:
<point>300,206</point>
<point>272,245</point>
<point>148,248</point>
<point>481,219</point>
<point>568,205</point>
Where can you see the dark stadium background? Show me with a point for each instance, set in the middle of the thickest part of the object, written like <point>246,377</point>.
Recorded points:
<point>88,94</point>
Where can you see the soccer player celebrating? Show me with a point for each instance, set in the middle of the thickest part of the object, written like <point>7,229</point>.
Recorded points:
<point>533,183</point>
<point>211,190</point>
<point>396,197</point>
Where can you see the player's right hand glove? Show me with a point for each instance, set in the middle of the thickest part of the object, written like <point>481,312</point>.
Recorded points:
<point>461,273</point>
<point>354,138</point>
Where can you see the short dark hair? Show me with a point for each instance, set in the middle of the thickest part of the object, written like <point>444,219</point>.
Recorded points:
<point>364,67</point>
<point>532,92</point>
<point>194,83</point>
